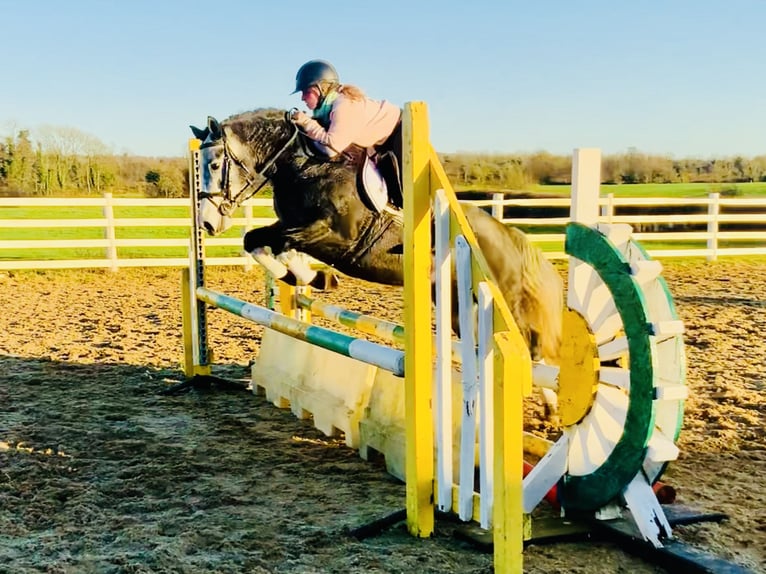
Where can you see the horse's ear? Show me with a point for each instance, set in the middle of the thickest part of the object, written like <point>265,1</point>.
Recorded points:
<point>198,133</point>
<point>213,127</point>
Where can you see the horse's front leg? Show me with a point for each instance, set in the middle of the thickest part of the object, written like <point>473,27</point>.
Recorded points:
<point>291,267</point>
<point>272,236</point>
<point>261,242</point>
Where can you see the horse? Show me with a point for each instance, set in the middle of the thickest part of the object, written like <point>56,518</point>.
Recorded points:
<point>322,212</point>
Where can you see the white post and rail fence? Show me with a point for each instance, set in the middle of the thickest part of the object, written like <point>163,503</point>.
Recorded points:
<point>114,232</point>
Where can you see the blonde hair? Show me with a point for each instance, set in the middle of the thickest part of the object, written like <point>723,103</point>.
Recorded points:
<point>351,92</point>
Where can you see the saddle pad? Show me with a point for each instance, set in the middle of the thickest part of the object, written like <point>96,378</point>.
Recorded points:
<point>373,185</point>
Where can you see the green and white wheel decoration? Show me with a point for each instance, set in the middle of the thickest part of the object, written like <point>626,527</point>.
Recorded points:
<point>621,382</point>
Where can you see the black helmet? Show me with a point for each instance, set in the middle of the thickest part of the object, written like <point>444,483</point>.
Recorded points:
<point>313,72</point>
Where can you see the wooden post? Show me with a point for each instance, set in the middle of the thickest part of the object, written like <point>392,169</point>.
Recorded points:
<point>607,211</point>
<point>586,179</point>
<point>713,210</point>
<point>509,520</point>
<point>584,206</point>
<point>416,178</point>
<point>110,232</point>
<point>287,301</point>
<point>497,206</point>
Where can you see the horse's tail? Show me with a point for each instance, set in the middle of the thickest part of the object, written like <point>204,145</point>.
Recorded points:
<point>543,294</point>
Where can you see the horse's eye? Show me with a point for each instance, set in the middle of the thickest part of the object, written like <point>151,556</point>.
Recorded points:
<point>215,165</point>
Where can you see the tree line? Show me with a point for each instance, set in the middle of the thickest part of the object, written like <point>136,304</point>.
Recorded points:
<point>67,162</point>
<point>523,171</point>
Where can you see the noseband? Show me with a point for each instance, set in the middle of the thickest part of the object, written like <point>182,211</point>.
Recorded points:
<point>252,180</point>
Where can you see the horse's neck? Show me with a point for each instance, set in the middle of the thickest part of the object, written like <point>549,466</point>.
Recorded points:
<point>297,174</point>
<point>291,177</point>
<point>288,174</point>
<point>304,180</point>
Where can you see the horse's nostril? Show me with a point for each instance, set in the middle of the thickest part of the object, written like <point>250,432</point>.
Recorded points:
<point>209,228</point>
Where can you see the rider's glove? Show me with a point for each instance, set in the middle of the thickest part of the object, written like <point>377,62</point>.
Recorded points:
<point>300,119</point>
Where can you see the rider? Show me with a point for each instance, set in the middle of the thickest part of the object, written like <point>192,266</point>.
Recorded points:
<point>343,115</point>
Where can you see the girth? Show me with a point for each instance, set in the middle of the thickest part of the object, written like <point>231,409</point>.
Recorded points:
<point>375,226</point>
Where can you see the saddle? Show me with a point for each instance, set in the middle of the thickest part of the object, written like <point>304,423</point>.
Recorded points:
<point>378,178</point>
<point>379,181</point>
<point>386,165</point>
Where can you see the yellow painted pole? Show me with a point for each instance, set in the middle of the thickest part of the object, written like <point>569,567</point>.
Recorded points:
<point>508,518</point>
<point>191,330</point>
<point>287,299</point>
<point>187,312</point>
<point>416,178</point>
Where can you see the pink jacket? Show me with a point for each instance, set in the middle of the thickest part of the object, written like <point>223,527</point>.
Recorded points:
<point>364,122</point>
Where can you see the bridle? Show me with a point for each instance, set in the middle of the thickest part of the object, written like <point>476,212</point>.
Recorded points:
<point>252,180</point>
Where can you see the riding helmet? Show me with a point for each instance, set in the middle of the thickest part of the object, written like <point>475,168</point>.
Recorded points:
<point>313,72</point>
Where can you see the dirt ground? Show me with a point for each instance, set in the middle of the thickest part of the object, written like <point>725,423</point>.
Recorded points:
<point>99,473</point>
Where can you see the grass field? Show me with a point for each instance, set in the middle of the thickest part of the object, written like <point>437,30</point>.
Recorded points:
<point>64,233</point>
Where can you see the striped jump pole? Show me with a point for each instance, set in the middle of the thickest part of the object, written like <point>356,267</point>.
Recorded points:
<point>368,324</point>
<point>545,376</point>
<point>366,351</point>
<point>364,323</point>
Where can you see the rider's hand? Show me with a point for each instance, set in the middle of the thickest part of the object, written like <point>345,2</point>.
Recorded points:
<point>300,118</point>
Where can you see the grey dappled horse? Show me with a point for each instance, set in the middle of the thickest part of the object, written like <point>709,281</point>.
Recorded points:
<point>321,213</point>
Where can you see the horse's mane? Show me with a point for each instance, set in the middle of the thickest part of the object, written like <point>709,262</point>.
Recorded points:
<point>258,125</point>
<point>264,130</point>
<point>252,115</point>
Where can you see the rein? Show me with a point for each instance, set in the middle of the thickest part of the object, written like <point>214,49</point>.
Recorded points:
<point>257,180</point>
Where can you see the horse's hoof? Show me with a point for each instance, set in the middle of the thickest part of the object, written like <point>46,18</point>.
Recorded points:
<point>325,280</point>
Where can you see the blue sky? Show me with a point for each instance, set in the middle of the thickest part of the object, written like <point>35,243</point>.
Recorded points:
<point>679,77</point>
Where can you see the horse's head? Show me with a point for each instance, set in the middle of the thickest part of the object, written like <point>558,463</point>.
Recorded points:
<point>237,157</point>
